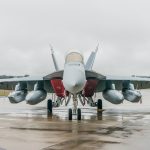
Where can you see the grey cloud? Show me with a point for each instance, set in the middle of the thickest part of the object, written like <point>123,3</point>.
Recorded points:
<point>121,27</point>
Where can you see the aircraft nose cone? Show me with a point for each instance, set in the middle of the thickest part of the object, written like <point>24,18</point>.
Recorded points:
<point>73,84</point>
<point>74,79</point>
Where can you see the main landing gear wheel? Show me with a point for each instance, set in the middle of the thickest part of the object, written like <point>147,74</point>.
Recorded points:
<point>99,109</point>
<point>79,114</point>
<point>49,106</point>
<point>70,114</point>
<point>99,105</point>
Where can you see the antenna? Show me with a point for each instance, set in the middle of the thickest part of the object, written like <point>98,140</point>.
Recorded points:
<point>53,57</point>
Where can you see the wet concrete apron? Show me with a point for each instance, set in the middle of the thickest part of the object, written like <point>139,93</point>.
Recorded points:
<point>126,126</point>
<point>36,132</point>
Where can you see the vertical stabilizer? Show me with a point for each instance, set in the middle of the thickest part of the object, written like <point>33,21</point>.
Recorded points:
<point>90,61</point>
<point>54,59</point>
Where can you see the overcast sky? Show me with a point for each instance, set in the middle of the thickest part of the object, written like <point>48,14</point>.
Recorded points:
<point>121,27</point>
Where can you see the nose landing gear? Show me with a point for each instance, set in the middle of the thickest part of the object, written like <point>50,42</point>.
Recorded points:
<point>75,110</point>
<point>78,113</point>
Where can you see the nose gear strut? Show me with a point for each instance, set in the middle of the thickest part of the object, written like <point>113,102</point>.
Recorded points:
<point>75,110</point>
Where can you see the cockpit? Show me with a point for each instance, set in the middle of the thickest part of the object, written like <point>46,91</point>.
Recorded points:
<point>74,57</point>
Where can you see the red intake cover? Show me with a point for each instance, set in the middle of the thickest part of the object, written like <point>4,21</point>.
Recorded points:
<point>58,87</point>
<point>90,87</point>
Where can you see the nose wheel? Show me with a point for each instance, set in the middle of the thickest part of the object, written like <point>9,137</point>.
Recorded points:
<point>70,114</point>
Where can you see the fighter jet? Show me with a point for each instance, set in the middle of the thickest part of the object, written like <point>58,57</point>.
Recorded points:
<point>77,82</point>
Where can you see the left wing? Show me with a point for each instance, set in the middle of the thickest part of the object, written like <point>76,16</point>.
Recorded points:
<point>139,82</point>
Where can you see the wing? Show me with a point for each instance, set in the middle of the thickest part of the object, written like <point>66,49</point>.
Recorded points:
<point>140,82</point>
<point>9,84</point>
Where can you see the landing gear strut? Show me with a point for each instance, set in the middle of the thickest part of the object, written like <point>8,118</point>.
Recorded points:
<point>75,103</point>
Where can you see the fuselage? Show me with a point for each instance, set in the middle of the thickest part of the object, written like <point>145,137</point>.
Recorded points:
<point>74,78</point>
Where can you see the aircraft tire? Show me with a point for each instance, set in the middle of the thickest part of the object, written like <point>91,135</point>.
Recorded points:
<point>79,114</point>
<point>70,114</point>
<point>49,106</point>
<point>99,105</point>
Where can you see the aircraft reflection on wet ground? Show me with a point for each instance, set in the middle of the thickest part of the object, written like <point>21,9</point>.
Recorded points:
<point>123,127</point>
<point>34,130</point>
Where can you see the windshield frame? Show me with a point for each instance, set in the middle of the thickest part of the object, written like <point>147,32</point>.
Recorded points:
<point>74,57</point>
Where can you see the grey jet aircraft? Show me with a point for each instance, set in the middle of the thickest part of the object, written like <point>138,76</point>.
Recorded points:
<point>77,82</point>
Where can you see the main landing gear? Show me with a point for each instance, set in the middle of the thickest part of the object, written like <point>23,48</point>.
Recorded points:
<point>50,106</point>
<point>75,110</point>
<point>79,114</point>
<point>99,105</point>
<point>70,114</point>
<point>99,109</point>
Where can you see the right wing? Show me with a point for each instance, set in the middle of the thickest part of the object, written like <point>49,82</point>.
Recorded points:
<point>9,84</point>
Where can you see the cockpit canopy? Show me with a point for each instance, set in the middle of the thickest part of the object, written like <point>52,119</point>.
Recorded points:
<point>74,57</point>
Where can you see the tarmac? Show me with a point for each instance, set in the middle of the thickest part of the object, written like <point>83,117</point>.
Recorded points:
<point>125,127</point>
